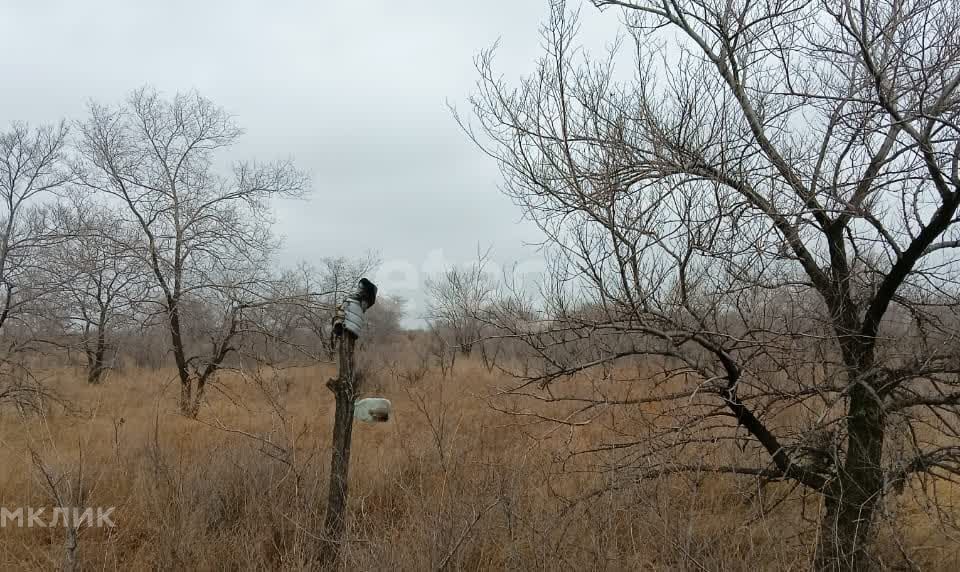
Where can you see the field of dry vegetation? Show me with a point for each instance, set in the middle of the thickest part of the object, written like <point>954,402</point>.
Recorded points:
<point>741,351</point>
<point>456,480</point>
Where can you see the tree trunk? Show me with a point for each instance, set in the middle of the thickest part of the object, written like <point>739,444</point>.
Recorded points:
<point>179,355</point>
<point>344,391</point>
<point>197,399</point>
<point>186,397</point>
<point>71,549</point>
<point>95,359</point>
<point>851,499</point>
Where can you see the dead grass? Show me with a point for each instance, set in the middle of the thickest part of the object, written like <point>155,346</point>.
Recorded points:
<point>449,483</point>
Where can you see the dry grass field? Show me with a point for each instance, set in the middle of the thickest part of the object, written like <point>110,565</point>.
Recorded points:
<point>449,483</point>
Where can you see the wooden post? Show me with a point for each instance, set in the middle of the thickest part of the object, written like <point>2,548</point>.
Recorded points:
<point>344,388</point>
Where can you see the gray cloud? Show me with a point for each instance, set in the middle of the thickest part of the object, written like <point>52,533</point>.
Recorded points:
<point>355,92</point>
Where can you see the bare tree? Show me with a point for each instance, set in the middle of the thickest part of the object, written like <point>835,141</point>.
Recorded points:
<point>383,321</point>
<point>763,205</point>
<point>32,169</point>
<point>103,284</point>
<point>282,331</point>
<point>456,298</point>
<point>204,236</point>
<point>337,278</point>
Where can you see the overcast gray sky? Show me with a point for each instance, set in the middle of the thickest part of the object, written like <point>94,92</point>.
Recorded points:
<point>354,91</point>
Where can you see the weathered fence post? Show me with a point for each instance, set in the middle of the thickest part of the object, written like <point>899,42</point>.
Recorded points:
<point>346,329</point>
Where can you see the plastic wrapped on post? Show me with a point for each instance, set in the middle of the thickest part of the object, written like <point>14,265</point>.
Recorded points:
<point>373,410</point>
<point>353,316</point>
<point>349,315</point>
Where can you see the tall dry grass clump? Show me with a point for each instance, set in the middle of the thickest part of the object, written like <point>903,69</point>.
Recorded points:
<point>459,479</point>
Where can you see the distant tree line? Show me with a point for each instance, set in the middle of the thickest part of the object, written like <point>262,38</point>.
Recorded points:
<point>122,241</point>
